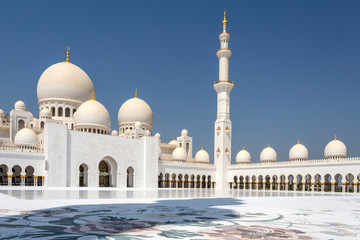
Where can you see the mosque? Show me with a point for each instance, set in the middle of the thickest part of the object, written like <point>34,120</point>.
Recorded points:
<point>72,144</point>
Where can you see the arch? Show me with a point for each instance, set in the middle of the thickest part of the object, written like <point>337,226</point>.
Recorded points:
<point>253,182</point>
<point>317,185</point>
<point>173,180</point>
<point>247,182</point>
<point>235,186</point>
<point>203,185</point>
<point>60,112</point>
<point>42,124</point>
<point>83,175</point>
<point>107,172</point>
<point>274,182</point>
<point>53,111</point>
<point>67,112</point>
<point>180,185</point>
<point>338,183</point>
<point>29,176</point>
<point>21,124</point>
<point>192,180</point>
<point>130,177</point>
<point>198,181</point>
<point>307,182</point>
<point>260,182</point>
<point>209,181</point>
<point>349,186</point>
<point>187,148</point>
<point>4,174</point>
<point>327,183</point>
<point>267,182</point>
<point>186,181</point>
<point>16,176</point>
<point>167,180</point>
<point>241,182</point>
<point>299,182</point>
<point>282,182</point>
<point>160,180</point>
<point>291,182</point>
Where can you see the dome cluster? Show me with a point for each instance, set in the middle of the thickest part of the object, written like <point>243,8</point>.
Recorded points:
<point>333,150</point>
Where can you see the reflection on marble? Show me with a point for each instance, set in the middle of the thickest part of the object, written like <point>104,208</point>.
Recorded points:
<point>175,214</point>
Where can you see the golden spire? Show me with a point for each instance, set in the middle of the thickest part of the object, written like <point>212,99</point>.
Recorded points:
<point>298,140</point>
<point>67,54</point>
<point>93,95</point>
<point>243,147</point>
<point>135,92</point>
<point>335,137</point>
<point>224,22</point>
<point>268,145</point>
<point>202,147</point>
<point>27,126</point>
<point>174,138</point>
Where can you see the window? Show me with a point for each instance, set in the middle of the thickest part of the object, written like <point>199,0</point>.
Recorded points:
<point>67,112</point>
<point>60,111</point>
<point>53,111</point>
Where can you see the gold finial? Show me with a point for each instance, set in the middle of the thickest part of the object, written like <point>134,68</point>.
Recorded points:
<point>243,147</point>
<point>268,145</point>
<point>93,95</point>
<point>174,138</point>
<point>202,147</point>
<point>135,92</point>
<point>335,137</point>
<point>224,22</point>
<point>26,126</point>
<point>67,54</point>
<point>298,140</point>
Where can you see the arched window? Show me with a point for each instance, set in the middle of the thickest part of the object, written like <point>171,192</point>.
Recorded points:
<point>42,124</point>
<point>67,112</point>
<point>53,111</point>
<point>21,124</point>
<point>130,177</point>
<point>60,111</point>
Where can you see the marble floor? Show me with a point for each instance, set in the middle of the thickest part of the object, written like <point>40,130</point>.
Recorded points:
<point>78,213</point>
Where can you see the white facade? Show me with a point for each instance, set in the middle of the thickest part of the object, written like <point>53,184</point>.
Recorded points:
<point>71,145</point>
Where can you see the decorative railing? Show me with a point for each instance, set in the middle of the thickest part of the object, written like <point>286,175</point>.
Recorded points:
<point>17,149</point>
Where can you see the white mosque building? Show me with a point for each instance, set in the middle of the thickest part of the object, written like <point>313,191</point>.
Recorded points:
<point>72,144</point>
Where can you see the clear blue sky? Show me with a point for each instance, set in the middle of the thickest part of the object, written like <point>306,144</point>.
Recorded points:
<point>295,64</point>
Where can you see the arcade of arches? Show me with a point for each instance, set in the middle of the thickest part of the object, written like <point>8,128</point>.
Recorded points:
<point>317,183</point>
<point>19,177</point>
<point>184,181</point>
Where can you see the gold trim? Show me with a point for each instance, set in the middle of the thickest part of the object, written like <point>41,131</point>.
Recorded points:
<point>224,22</point>
<point>67,54</point>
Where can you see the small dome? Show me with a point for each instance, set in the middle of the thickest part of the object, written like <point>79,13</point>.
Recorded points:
<point>20,105</point>
<point>159,153</point>
<point>157,135</point>
<point>135,110</point>
<point>202,156</point>
<point>179,154</point>
<point>127,131</point>
<point>298,152</point>
<point>243,156</point>
<point>64,81</point>
<point>92,114</point>
<point>26,137</point>
<point>173,142</point>
<point>268,155</point>
<point>184,132</point>
<point>148,133</point>
<point>335,149</point>
<point>46,113</point>
<point>2,113</point>
<point>114,133</point>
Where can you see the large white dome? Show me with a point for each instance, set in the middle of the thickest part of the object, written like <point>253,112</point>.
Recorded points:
<point>335,149</point>
<point>179,154</point>
<point>26,137</point>
<point>243,157</point>
<point>298,152</point>
<point>202,156</point>
<point>64,81</point>
<point>135,110</point>
<point>20,105</point>
<point>92,114</point>
<point>268,155</point>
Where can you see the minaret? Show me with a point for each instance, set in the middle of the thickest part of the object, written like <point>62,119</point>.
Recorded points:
<point>223,87</point>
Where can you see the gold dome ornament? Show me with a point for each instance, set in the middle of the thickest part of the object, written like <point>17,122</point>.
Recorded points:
<point>224,22</point>
<point>67,54</point>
